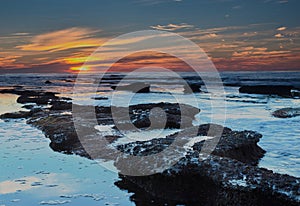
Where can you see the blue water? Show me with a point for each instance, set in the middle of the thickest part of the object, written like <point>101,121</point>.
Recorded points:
<point>32,174</point>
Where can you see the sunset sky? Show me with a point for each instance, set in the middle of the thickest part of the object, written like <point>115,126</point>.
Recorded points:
<point>59,35</point>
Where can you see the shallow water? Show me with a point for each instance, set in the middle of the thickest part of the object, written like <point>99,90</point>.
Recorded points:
<point>32,174</point>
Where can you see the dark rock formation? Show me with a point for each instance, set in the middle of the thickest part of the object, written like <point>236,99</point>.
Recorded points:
<point>212,181</point>
<point>283,91</point>
<point>287,112</point>
<point>100,98</point>
<point>191,88</point>
<point>134,87</point>
<point>48,82</point>
<point>59,126</point>
<point>61,105</point>
<point>20,114</point>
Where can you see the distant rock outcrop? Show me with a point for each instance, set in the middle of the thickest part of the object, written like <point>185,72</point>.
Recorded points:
<point>287,112</point>
<point>283,91</point>
<point>134,87</point>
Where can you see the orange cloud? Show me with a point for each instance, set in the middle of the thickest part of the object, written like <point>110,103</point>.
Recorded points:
<point>63,40</point>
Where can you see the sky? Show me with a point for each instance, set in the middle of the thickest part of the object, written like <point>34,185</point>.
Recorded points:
<point>237,35</point>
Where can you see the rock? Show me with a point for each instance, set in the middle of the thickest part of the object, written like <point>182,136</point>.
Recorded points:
<point>191,88</point>
<point>227,177</point>
<point>59,127</point>
<point>287,112</point>
<point>61,105</point>
<point>100,98</point>
<point>40,98</point>
<point>212,181</point>
<point>31,96</point>
<point>296,93</point>
<point>240,145</point>
<point>20,114</point>
<point>48,82</point>
<point>15,115</point>
<point>143,116</point>
<point>283,91</point>
<point>134,87</point>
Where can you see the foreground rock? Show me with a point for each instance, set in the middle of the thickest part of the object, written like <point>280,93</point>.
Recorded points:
<point>212,181</point>
<point>287,112</point>
<point>229,176</point>
<point>283,91</point>
<point>32,96</point>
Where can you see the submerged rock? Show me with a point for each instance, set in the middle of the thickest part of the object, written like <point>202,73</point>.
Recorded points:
<point>134,87</point>
<point>283,91</point>
<point>193,87</point>
<point>287,112</point>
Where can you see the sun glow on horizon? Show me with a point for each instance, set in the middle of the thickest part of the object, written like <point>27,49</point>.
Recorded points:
<point>79,69</point>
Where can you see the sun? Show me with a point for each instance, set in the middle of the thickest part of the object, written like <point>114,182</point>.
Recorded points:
<point>83,69</point>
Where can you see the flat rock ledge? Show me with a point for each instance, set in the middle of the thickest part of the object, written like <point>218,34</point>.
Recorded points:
<point>287,112</point>
<point>228,176</point>
<point>279,90</point>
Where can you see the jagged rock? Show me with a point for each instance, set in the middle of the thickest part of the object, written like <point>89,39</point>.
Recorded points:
<point>15,115</point>
<point>20,114</point>
<point>193,87</point>
<point>212,181</point>
<point>40,98</point>
<point>99,98</point>
<point>61,105</point>
<point>283,91</point>
<point>287,112</point>
<point>59,128</point>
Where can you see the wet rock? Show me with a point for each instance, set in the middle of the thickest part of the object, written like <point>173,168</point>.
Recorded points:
<point>100,98</point>
<point>31,96</point>
<point>212,181</point>
<point>296,93</point>
<point>134,87</point>
<point>40,98</point>
<point>15,115</point>
<point>20,114</point>
<point>155,116</point>
<point>239,145</point>
<point>58,126</point>
<point>229,176</point>
<point>283,91</point>
<point>61,105</point>
<point>48,82</point>
<point>191,88</point>
<point>287,112</point>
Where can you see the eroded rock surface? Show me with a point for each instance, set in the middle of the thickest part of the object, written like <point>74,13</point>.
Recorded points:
<point>283,91</point>
<point>287,112</point>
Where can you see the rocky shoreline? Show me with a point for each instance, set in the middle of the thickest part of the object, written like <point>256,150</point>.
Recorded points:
<point>229,176</point>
